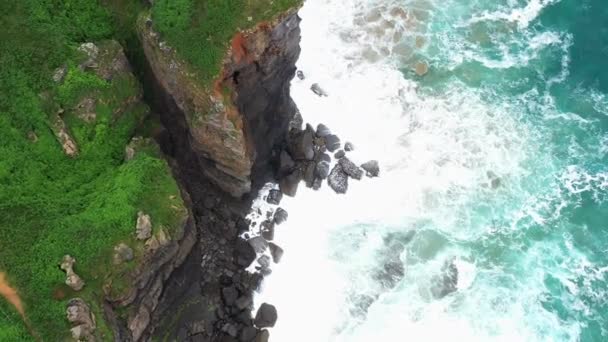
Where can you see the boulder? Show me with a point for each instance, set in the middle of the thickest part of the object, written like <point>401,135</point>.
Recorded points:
<point>322,170</point>
<point>332,142</point>
<point>338,180</point>
<point>351,168</point>
<point>263,336</point>
<point>258,243</point>
<point>309,173</point>
<point>348,147</point>
<point>286,163</point>
<point>122,253</point>
<point>72,280</point>
<point>316,185</point>
<point>296,122</point>
<point>289,184</point>
<point>244,252</point>
<point>243,302</point>
<point>268,230</point>
<point>300,75</point>
<point>231,330</point>
<point>323,157</point>
<point>339,154</point>
<point>322,131</point>
<point>248,334</point>
<point>266,316</point>
<point>274,197</point>
<point>302,146</point>
<point>276,252</point>
<point>229,295</point>
<point>316,88</point>
<point>143,230</point>
<point>371,168</point>
<point>264,261</point>
<point>280,216</point>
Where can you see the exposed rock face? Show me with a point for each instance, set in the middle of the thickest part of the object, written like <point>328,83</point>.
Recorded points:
<point>149,281</point>
<point>79,315</point>
<point>122,253</point>
<point>234,125</point>
<point>72,280</point>
<point>143,230</point>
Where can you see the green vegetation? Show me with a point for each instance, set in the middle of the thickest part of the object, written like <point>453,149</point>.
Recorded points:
<point>52,204</point>
<point>201,30</point>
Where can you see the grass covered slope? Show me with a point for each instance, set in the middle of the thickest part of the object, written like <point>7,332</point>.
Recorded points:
<point>52,204</point>
<point>201,30</point>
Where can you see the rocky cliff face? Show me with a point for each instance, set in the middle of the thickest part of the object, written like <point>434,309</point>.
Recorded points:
<point>224,138</point>
<point>234,124</point>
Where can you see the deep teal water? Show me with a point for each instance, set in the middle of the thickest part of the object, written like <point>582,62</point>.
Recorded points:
<point>559,92</point>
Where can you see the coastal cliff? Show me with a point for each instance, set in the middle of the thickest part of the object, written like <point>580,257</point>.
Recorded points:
<point>235,122</point>
<point>132,167</point>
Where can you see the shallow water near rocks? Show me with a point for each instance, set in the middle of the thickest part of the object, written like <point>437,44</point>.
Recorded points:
<point>495,161</point>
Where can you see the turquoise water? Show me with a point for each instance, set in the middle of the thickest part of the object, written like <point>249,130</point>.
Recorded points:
<point>559,93</point>
<point>496,161</point>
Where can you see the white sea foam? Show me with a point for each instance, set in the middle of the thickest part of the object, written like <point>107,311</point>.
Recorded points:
<point>438,155</point>
<point>523,16</point>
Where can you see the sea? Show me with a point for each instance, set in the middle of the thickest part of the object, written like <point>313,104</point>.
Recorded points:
<point>489,220</point>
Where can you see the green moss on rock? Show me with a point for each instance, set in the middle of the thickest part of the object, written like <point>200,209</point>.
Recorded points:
<point>201,30</point>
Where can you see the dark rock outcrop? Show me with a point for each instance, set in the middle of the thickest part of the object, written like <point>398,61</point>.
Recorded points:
<point>248,110</point>
<point>280,216</point>
<point>266,316</point>
<point>371,168</point>
<point>351,168</point>
<point>338,180</point>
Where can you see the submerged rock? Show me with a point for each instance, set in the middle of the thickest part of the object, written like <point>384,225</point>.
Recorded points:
<point>316,88</point>
<point>338,180</point>
<point>446,282</point>
<point>371,168</point>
